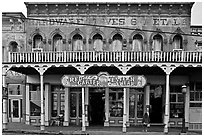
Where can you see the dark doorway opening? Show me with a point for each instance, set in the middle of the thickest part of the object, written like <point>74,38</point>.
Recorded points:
<point>155,109</point>
<point>96,108</point>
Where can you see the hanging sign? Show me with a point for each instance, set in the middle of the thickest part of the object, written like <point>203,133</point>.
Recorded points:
<point>103,80</point>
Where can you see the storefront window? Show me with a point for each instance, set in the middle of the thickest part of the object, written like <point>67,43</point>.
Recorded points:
<point>57,99</point>
<point>116,102</point>
<point>132,106</point>
<point>73,105</point>
<point>35,106</point>
<point>80,105</point>
<point>176,102</point>
<point>195,94</point>
<point>14,89</point>
<point>140,101</point>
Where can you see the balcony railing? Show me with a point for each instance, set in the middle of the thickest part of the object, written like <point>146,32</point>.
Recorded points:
<point>106,56</point>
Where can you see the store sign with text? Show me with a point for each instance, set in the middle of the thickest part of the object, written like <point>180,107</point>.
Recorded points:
<point>112,21</point>
<point>104,80</point>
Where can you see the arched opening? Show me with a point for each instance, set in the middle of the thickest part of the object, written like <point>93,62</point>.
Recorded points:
<point>77,42</point>
<point>137,43</point>
<point>157,44</point>
<point>177,42</point>
<point>97,42</point>
<point>57,43</point>
<point>117,43</point>
<point>13,47</point>
<point>37,41</point>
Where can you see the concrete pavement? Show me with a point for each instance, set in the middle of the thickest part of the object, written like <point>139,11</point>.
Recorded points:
<point>20,128</point>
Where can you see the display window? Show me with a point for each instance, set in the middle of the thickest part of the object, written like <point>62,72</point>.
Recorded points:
<point>116,102</point>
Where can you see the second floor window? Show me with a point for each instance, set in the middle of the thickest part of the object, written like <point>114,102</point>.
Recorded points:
<point>13,47</point>
<point>37,41</point>
<point>137,43</point>
<point>117,43</point>
<point>57,41</point>
<point>157,43</point>
<point>77,43</point>
<point>97,42</point>
<point>177,42</point>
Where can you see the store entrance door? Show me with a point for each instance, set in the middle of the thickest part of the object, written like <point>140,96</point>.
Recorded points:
<point>96,108</point>
<point>155,109</point>
<point>16,110</point>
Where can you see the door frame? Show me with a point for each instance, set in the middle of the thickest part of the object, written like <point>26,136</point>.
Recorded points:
<point>19,118</point>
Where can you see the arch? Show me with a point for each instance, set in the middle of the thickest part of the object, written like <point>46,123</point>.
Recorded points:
<point>57,31</point>
<point>37,39</point>
<point>112,70</point>
<point>97,31</point>
<point>179,32</point>
<point>13,46</point>
<point>57,42</point>
<point>98,44</point>
<point>77,31</point>
<point>77,42</point>
<point>159,32</point>
<point>137,42</point>
<point>140,33</point>
<point>177,42</point>
<point>117,31</point>
<point>38,32</point>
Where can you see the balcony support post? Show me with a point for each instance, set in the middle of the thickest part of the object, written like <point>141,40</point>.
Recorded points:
<point>167,70</point>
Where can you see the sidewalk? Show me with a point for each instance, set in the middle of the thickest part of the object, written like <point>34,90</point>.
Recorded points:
<point>20,128</point>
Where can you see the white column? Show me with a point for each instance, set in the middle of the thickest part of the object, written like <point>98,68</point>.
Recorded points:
<point>124,111</point>
<point>86,104</point>
<point>47,104</point>
<point>83,111</point>
<point>66,109</point>
<point>42,120</point>
<point>127,105</point>
<point>106,123</point>
<point>166,116</point>
<point>5,105</point>
<point>187,106</point>
<point>27,104</point>
<point>147,98</point>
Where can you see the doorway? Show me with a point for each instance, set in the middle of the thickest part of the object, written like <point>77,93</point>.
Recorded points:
<point>155,109</point>
<point>96,108</point>
<point>16,110</point>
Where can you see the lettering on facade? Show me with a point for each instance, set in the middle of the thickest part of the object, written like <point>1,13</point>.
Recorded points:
<point>112,21</point>
<point>138,81</point>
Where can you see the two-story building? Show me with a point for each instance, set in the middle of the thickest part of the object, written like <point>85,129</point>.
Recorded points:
<point>105,64</point>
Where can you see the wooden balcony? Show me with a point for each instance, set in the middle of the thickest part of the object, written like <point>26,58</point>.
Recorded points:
<point>106,56</point>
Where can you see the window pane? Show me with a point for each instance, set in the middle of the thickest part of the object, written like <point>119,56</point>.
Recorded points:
<point>35,108</point>
<point>140,105</point>
<point>176,110</point>
<point>132,106</point>
<point>180,97</point>
<point>198,86</point>
<point>116,104</point>
<point>192,96</point>
<point>172,97</point>
<point>73,105</point>
<point>80,105</point>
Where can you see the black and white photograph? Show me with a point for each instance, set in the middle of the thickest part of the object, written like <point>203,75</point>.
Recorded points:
<point>101,67</point>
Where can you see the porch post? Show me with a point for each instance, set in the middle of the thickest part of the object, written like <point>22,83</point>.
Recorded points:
<point>106,123</point>
<point>47,104</point>
<point>187,106</point>
<point>86,106</point>
<point>5,102</point>
<point>127,106</point>
<point>167,70</point>
<point>42,120</point>
<point>147,98</point>
<point>83,111</point>
<point>124,111</point>
<point>27,104</point>
<point>66,109</point>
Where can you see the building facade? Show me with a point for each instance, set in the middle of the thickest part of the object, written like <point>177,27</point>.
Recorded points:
<point>151,40</point>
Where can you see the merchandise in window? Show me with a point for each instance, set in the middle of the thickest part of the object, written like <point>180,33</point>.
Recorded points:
<point>176,102</point>
<point>35,105</point>
<point>195,94</point>
<point>116,102</point>
<point>140,101</point>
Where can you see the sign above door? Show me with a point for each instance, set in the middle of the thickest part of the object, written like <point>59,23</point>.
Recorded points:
<point>103,79</point>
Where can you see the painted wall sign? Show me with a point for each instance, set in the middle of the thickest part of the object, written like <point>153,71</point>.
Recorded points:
<point>103,80</point>
<point>114,21</point>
